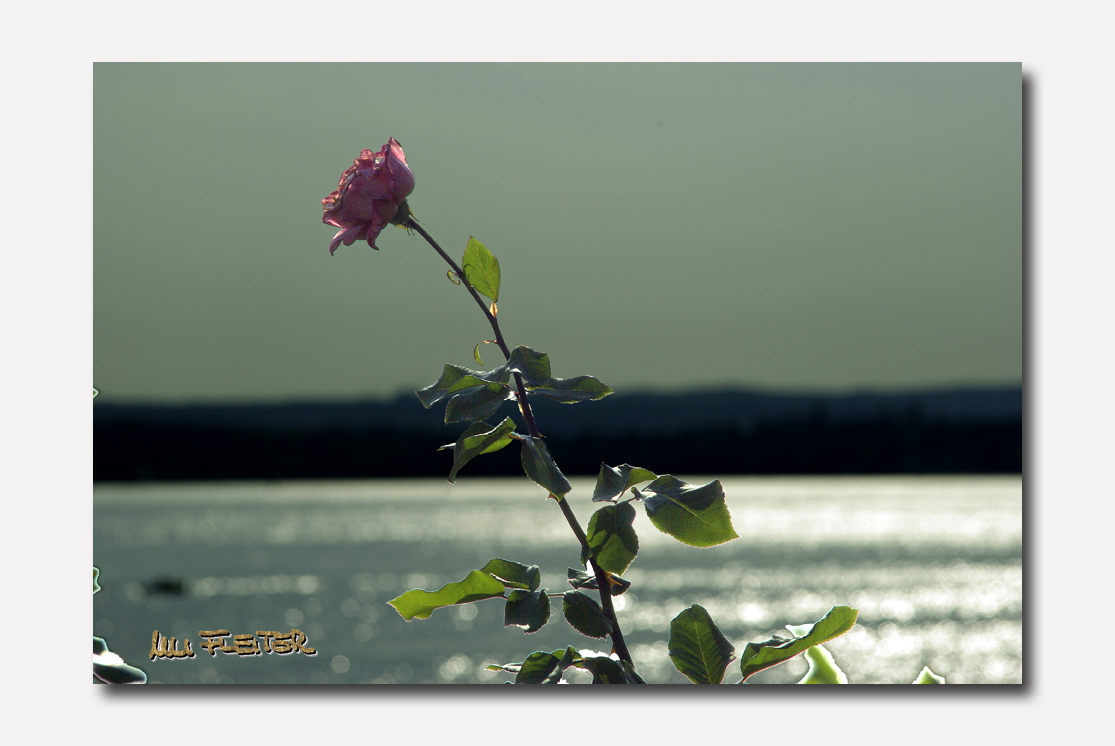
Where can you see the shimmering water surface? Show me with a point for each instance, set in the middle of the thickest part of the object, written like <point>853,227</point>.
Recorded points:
<point>933,564</point>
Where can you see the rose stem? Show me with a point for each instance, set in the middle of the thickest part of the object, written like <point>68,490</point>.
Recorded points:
<point>601,576</point>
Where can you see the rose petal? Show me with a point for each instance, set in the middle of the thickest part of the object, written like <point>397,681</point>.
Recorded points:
<point>400,171</point>
<point>336,241</point>
<point>348,236</point>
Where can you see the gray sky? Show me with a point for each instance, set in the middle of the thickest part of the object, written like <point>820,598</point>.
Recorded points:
<point>660,226</point>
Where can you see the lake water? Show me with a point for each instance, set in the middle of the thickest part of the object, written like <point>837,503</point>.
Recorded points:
<point>933,564</point>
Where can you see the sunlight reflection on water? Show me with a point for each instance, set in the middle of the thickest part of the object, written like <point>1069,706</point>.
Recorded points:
<point>933,564</point>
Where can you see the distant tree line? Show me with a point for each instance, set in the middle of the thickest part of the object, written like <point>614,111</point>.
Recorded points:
<point>126,451</point>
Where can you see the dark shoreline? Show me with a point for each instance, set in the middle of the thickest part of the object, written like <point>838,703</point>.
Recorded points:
<point>964,431</point>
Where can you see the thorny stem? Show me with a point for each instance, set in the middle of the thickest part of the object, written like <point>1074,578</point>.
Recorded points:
<point>618,643</point>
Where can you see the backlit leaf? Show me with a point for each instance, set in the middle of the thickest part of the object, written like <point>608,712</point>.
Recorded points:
<point>539,465</point>
<point>513,574</point>
<point>822,668</point>
<point>454,378</point>
<point>540,668</point>
<point>477,404</point>
<point>585,615</point>
<point>419,604</point>
<point>605,670</point>
<point>527,609</point>
<point>612,540</point>
<point>546,668</point>
<point>573,390</point>
<point>563,658</point>
<point>111,668</point>
<point>928,677</point>
<point>762,655</point>
<point>476,351</point>
<point>479,438</point>
<point>532,365</point>
<point>697,647</point>
<point>481,269</point>
<point>697,516</point>
<point>613,482</point>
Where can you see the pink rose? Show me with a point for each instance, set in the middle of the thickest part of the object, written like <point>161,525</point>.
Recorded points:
<point>369,196</point>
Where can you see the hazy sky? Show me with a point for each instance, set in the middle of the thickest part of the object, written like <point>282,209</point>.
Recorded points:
<point>660,226</point>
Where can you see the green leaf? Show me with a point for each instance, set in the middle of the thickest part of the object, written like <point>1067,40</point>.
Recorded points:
<point>545,668</point>
<point>585,615</point>
<point>697,516</point>
<point>581,579</point>
<point>533,366</point>
<point>573,390</point>
<point>698,648</point>
<point>454,378</point>
<point>481,269</point>
<point>564,659</point>
<point>513,574</point>
<point>419,604</point>
<point>612,541</point>
<point>527,609</point>
<point>477,404</point>
<point>540,466</point>
<point>928,677</point>
<point>540,668</point>
<point>476,351</point>
<point>822,668</point>
<point>111,668</point>
<point>762,655</point>
<point>611,483</point>
<point>478,439</point>
<point>605,670</point>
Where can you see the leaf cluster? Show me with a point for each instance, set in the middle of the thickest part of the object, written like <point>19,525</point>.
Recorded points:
<point>473,396</point>
<point>694,515</point>
<point>527,604</point>
<point>701,652</point>
<point>547,668</point>
<point>697,516</point>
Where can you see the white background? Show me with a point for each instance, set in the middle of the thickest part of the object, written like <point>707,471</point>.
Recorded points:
<point>47,298</point>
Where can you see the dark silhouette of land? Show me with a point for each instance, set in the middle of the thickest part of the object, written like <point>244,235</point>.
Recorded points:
<point>961,431</point>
